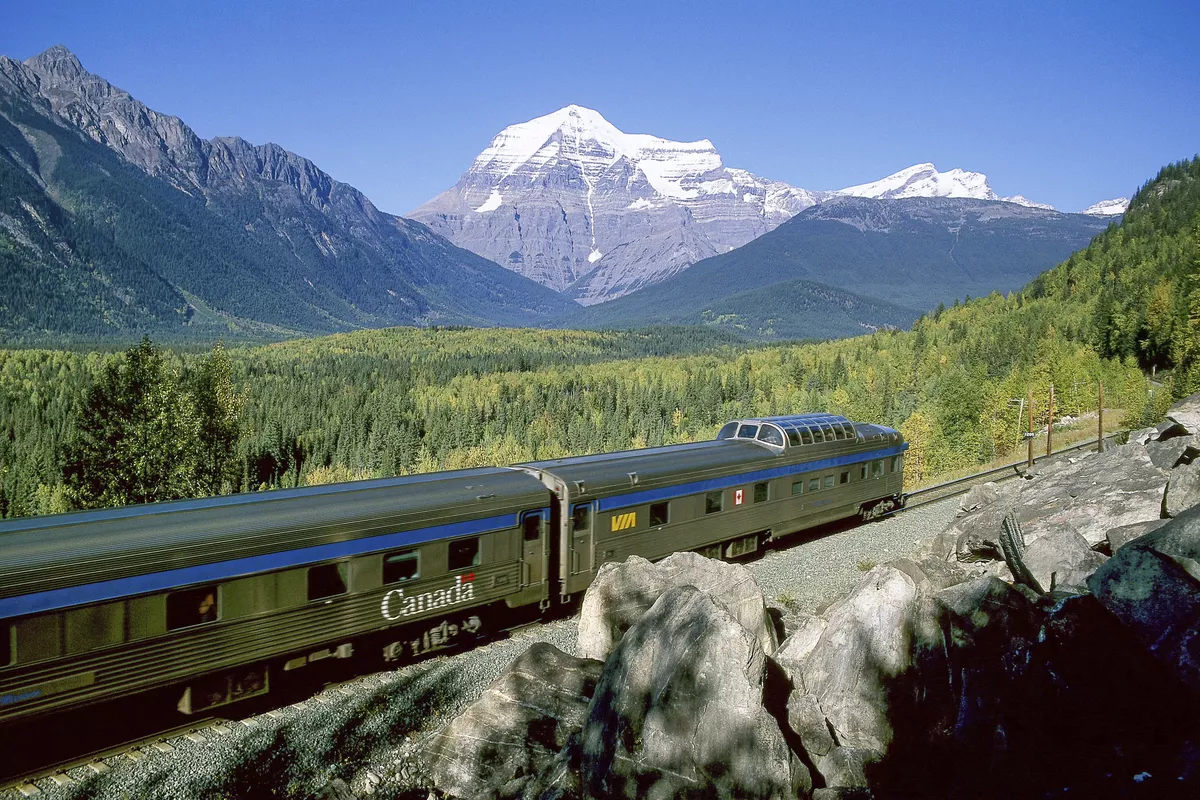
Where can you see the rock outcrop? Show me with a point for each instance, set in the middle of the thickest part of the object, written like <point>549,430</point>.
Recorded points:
<point>514,732</point>
<point>928,679</point>
<point>1088,494</point>
<point>679,709</point>
<point>622,593</point>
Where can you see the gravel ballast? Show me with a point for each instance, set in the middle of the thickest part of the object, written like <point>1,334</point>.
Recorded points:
<point>368,732</point>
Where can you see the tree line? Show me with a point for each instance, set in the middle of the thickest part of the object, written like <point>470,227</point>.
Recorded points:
<point>89,429</point>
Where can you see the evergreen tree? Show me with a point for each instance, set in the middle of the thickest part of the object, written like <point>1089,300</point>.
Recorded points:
<point>217,406</point>
<point>135,439</point>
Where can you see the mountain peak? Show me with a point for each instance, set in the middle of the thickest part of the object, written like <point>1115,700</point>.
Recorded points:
<point>1107,208</point>
<point>58,61</point>
<point>580,135</point>
<point>924,180</point>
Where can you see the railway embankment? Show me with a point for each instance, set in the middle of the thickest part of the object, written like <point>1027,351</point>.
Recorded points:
<point>1044,644</point>
<point>933,653</point>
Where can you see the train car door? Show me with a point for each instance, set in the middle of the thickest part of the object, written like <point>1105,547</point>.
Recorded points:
<point>533,547</point>
<point>583,519</point>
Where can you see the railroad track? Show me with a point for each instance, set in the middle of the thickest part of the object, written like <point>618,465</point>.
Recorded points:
<point>199,732</point>
<point>100,761</point>
<point>931,494</point>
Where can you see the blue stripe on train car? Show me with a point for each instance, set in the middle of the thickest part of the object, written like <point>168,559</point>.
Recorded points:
<point>684,489</point>
<point>241,567</point>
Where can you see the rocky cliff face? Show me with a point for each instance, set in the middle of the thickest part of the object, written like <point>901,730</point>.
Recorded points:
<point>249,235</point>
<point>576,204</point>
<point>165,147</point>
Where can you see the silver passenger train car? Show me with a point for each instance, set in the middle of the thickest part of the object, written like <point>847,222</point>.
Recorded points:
<point>221,596</point>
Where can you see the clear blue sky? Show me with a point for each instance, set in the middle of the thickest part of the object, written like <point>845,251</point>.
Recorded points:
<point>1064,102</point>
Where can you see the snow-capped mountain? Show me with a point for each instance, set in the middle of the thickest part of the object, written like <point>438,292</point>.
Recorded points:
<point>924,180</point>
<point>578,205</point>
<point>1107,208</point>
<point>574,203</point>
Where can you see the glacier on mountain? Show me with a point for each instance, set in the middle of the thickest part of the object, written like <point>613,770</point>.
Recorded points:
<point>1107,208</point>
<point>924,180</point>
<point>575,203</point>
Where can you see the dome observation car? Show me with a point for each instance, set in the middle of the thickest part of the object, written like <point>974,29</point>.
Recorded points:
<point>792,431</point>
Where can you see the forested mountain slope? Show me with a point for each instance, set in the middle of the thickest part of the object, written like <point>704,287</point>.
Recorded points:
<point>1135,292</point>
<point>374,403</point>
<point>877,263</point>
<point>114,217</point>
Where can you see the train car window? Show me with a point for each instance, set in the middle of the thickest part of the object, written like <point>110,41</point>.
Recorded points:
<point>850,432</point>
<point>864,471</point>
<point>189,607</point>
<point>5,645</point>
<point>798,487</point>
<point>326,580</point>
<point>531,527</point>
<point>829,481</point>
<point>581,517</point>
<point>771,435</point>
<point>762,492</point>
<point>806,436</point>
<point>814,484</point>
<point>660,513</point>
<point>818,437</point>
<point>728,432</point>
<point>896,463</point>
<point>794,437</point>
<point>93,627</point>
<point>713,502</point>
<point>747,431</point>
<point>877,468</point>
<point>464,553</point>
<point>844,477</point>
<point>403,565</point>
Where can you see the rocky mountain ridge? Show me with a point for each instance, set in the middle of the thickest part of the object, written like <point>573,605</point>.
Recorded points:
<point>243,235</point>
<point>571,201</point>
<point>924,180</point>
<point>849,265</point>
<point>576,204</point>
<point>1108,208</point>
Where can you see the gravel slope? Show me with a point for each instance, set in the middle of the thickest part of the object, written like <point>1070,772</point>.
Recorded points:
<point>368,732</point>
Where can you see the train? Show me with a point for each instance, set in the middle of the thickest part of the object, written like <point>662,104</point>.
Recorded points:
<point>218,599</point>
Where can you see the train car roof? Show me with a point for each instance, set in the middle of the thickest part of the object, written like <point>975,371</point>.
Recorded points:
<point>635,471</point>
<point>309,525</point>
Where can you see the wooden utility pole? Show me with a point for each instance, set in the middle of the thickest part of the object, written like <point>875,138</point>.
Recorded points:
<point>1050,423</point>
<point>1029,431</point>
<point>1100,423</point>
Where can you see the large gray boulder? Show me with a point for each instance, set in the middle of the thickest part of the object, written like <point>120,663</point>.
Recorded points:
<point>1173,452</point>
<point>1065,556</point>
<point>623,592</point>
<point>1089,495</point>
<point>984,494</point>
<point>1187,413</point>
<point>678,710</point>
<point>1183,490</point>
<point>516,729</point>
<point>792,652</point>
<point>871,637</point>
<point>1145,586</point>
<point>1119,537</point>
<point>807,721</point>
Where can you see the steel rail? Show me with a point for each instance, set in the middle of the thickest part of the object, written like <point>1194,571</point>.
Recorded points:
<point>941,491</point>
